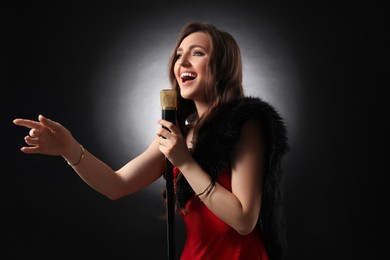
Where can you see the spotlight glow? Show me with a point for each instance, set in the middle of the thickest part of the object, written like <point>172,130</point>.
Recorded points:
<point>134,71</point>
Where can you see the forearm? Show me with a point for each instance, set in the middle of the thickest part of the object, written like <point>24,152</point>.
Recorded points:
<point>132,177</point>
<point>100,176</point>
<point>223,203</point>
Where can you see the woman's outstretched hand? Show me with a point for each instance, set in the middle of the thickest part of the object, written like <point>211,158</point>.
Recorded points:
<point>47,137</point>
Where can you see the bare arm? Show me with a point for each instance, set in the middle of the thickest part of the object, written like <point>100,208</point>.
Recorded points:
<point>51,138</point>
<point>132,177</point>
<point>240,208</point>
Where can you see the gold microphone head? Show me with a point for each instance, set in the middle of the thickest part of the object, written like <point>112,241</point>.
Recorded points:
<point>168,99</point>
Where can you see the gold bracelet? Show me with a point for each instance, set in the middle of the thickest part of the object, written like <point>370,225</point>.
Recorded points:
<point>81,157</point>
<point>208,189</point>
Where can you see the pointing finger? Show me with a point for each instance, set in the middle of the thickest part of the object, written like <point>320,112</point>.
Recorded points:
<point>27,123</point>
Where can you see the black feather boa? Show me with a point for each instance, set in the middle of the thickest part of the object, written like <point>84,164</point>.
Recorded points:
<point>214,145</point>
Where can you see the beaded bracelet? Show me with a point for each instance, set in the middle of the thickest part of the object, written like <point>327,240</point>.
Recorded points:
<point>81,157</point>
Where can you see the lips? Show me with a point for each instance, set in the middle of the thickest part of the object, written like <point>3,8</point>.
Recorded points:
<point>187,76</point>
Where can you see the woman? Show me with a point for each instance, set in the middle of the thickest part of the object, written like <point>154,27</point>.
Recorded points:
<point>227,151</point>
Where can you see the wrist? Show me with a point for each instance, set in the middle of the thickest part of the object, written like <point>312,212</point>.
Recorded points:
<point>75,155</point>
<point>189,165</point>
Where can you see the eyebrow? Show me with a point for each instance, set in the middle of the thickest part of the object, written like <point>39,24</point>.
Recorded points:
<point>192,47</point>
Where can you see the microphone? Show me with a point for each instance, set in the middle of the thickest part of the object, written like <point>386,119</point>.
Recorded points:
<point>168,100</point>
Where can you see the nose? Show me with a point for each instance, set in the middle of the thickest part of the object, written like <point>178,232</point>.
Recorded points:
<point>184,61</point>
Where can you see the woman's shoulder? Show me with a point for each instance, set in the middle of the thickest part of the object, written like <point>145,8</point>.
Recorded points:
<point>239,110</point>
<point>220,135</point>
<point>236,113</point>
<point>230,117</point>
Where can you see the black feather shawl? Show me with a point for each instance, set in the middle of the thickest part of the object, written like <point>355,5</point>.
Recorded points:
<point>214,145</point>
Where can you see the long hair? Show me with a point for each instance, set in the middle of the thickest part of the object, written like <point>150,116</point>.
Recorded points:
<point>224,84</point>
<point>224,73</point>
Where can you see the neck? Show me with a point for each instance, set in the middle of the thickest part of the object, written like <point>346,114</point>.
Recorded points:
<point>201,108</point>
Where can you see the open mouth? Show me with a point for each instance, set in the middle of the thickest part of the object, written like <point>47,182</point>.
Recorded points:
<point>187,76</point>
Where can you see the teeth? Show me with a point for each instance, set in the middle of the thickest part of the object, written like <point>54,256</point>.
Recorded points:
<point>187,74</point>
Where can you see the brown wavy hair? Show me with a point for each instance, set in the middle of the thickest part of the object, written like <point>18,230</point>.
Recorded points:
<point>223,85</point>
<point>224,73</point>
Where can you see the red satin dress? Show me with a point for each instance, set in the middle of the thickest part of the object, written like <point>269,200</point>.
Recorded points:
<point>209,238</point>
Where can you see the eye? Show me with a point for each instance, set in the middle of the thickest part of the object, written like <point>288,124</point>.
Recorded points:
<point>198,53</point>
<point>178,56</point>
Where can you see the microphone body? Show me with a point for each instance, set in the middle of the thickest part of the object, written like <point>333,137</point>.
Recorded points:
<point>168,98</point>
<point>169,115</point>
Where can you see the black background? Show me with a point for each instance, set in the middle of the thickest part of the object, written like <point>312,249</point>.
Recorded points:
<point>336,186</point>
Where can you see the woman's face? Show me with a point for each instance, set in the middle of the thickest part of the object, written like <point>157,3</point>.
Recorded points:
<point>191,64</point>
